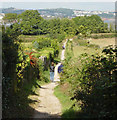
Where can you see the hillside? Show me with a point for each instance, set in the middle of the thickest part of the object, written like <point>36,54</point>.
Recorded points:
<point>61,12</point>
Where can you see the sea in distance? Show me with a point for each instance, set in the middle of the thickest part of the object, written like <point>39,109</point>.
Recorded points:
<point>90,6</point>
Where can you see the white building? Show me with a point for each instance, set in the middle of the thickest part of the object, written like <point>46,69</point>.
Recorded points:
<point>1,17</point>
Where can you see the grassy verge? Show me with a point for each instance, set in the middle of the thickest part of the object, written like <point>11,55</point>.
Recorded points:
<point>68,110</point>
<point>73,50</point>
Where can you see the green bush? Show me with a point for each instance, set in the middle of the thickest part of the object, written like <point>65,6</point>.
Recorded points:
<point>59,37</point>
<point>94,83</point>
<point>42,42</point>
<point>97,86</point>
<point>17,72</point>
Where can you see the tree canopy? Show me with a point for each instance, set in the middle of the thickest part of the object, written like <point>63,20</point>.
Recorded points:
<point>90,23</point>
<point>31,23</point>
<point>10,17</point>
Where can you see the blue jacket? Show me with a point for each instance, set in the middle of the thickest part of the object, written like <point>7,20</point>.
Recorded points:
<point>60,68</point>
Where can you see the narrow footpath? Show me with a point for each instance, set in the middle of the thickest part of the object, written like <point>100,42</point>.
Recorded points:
<point>49,106</point>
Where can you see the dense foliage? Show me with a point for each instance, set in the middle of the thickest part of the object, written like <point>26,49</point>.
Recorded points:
<point>94,83</point>
<point>98,82</point>
<point>92,24</point>
<point>44,42</point>
<point>18,70</point>
<point>88,76</point>
<point>30,22</point>
<point>10,17</point>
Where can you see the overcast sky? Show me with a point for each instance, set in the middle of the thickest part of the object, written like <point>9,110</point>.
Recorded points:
<point>57,0</point>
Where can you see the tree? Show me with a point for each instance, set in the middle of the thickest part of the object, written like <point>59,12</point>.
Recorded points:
<point>10,17</point>
<point>68,26</point>
<point>54,25</point>
<point>92,23</point>
<point>29,21</point>
<point>43,27</point>
<point>111,27</point>
<point>105,27</point>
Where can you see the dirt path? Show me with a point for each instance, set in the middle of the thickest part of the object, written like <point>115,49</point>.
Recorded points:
<point>63,51</point>
<point>48,106</point>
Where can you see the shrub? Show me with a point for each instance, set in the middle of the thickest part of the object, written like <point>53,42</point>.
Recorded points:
<point>94,83</point>
<point>42,42</point>
<point>97,84</point>
<point>58,37</point>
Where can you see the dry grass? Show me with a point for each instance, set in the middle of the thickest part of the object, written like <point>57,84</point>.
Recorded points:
<point>78,50</point>
<point>103,42</point>
<point>102,34</point>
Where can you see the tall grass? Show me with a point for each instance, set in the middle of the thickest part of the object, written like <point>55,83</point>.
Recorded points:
<point>68,109</point>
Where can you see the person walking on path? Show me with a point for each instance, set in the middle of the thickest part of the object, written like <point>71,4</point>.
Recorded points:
<point>52,67</point>
<point>60,68</point>
<point>63,46</point>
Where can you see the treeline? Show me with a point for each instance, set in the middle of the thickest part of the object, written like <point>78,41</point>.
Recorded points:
<point>31,23</point>
<point>91,24</point>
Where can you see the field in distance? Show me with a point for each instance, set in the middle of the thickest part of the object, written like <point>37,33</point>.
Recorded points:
<point>103,42</point>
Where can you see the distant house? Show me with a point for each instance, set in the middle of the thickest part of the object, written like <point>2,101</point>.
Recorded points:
<point>1,16</point>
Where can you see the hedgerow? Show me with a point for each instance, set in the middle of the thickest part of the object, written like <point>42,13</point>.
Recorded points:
<point>94,83</point>
<point>19,68</point>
